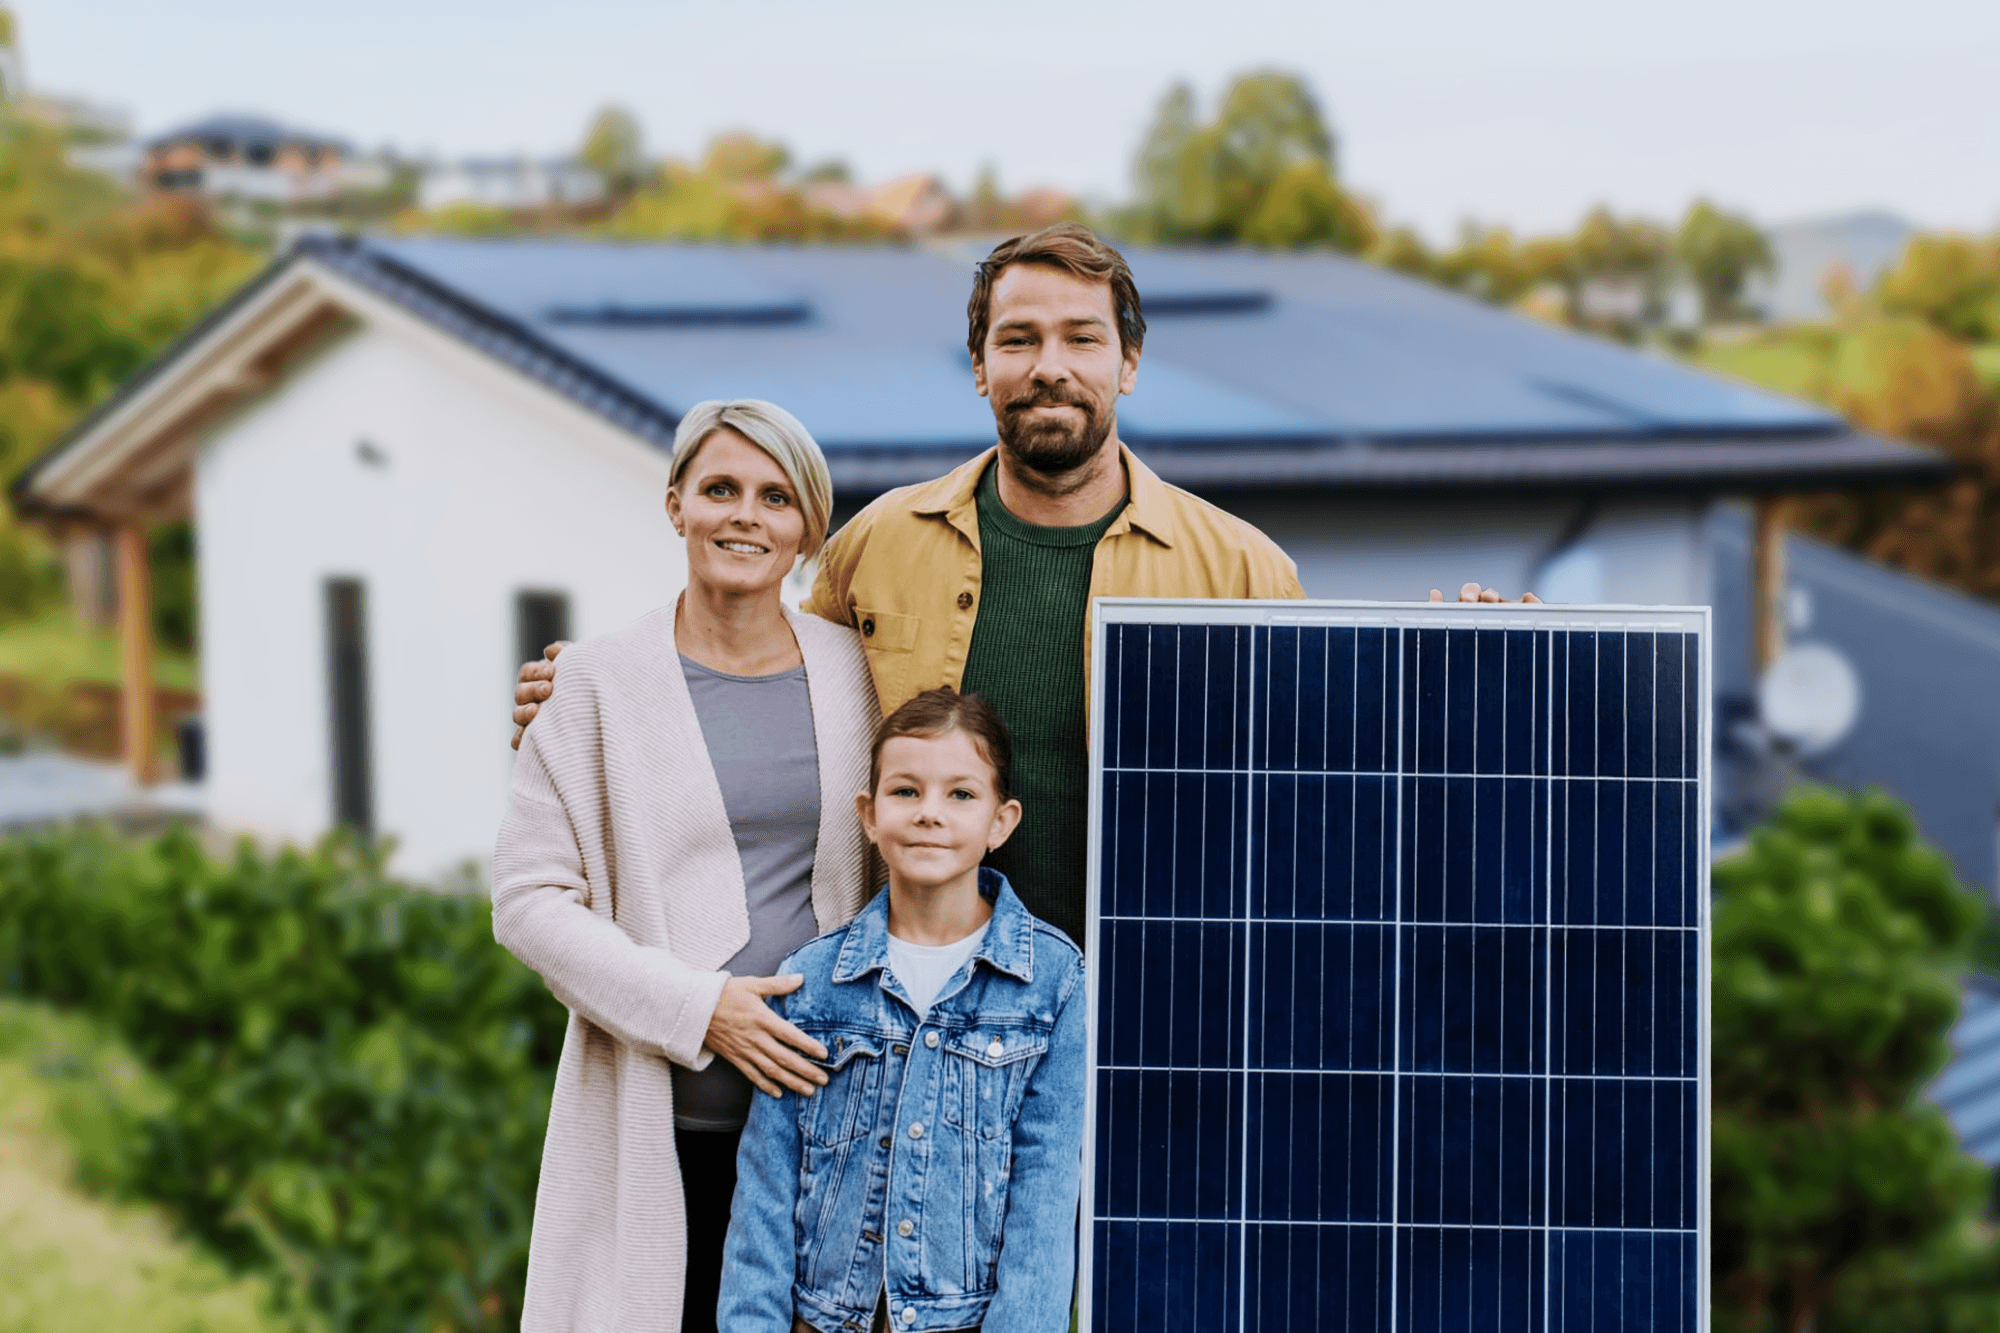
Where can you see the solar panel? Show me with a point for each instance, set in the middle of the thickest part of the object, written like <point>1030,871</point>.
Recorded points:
<point>1398,968</point>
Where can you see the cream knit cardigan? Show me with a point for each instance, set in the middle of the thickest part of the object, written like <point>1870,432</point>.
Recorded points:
<point>616,878</point>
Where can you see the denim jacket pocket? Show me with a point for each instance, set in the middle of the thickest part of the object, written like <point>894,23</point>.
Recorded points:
<point>987,1074</point>
<point>843,1110</point>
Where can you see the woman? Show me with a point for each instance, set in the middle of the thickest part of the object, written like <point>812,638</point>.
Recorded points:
<point>682,817</point>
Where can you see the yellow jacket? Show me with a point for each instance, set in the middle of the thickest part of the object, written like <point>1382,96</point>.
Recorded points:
<point>905,571</point>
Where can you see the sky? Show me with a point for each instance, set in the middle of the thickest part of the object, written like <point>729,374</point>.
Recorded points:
<point>1526,114</point>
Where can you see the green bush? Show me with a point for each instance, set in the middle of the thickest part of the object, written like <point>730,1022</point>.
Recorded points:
<point>358,1076</point>
<point>1842,1200</point>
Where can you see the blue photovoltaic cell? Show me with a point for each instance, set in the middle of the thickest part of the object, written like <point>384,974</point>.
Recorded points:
<point>1396,976</point>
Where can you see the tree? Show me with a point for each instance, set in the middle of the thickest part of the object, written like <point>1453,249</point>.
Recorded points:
<point>739,156</point>
<point>614,149</point>
<point>1302,206</point>
<point>1952,281</point>
<point>1720,251</point>
<point>1162,201</point>
<point>90,286</point>
<point>1841,1201</point>
<point>1263,172</point>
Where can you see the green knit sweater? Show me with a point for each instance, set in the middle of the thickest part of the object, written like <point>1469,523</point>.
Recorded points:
<point>1026,657</point>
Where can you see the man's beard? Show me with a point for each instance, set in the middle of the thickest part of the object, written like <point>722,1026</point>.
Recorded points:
<point>1055,448</point>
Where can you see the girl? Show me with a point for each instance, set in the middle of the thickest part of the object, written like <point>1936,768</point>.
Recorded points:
<point>932,1183</point>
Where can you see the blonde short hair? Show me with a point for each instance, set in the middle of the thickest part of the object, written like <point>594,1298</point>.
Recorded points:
<point>779,434</point>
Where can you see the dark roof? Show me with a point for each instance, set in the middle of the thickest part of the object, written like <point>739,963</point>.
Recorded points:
<point>1261,369</point>
<point>245,130</point>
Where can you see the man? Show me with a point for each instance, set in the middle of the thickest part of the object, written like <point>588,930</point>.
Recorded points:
<point>982,579</point>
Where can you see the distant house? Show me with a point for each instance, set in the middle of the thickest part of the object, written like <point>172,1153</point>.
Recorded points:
<point>1924,659</point>
<point>255,158</point>
<point>509,183</point>
<point>410,463</point>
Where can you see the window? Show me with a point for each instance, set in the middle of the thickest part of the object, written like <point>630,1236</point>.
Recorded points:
<point>347,697</point>
<point>540,619</point>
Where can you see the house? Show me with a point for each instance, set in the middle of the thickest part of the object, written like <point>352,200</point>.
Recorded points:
<point>509,183</point>
<point>257,159</point>
<point>410,463</point>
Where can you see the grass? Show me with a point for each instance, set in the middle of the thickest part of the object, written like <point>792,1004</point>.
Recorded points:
<point>52,649</point>
<point>75,1261</point>
<point>1799,364</point>
<point>1986,360</point>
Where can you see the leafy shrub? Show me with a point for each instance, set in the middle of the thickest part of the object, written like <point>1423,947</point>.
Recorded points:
<point>1841,1199</point>
<point>359,1077</point>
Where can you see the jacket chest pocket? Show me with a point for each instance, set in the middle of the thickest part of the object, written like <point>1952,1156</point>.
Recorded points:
<point>844,1109</point>
<point>986,1073</point>
<point>885,631</point>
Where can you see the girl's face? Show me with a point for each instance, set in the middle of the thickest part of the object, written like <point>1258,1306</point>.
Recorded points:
<point>935,812</point>
<point>740,516</point>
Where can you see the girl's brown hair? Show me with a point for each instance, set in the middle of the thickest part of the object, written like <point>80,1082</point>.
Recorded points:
<point>943,709</point>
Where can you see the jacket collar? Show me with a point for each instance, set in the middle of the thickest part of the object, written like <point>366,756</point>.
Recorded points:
<point>954,497</point>
<point>1009,945</point>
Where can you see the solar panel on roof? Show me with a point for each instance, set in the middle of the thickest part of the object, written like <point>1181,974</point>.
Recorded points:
<point>1398,968</point>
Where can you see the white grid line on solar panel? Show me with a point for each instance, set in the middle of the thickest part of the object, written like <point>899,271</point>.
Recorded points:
<point>1385,923</point>
<point>1389,773</point>
<point>1249,891</point>
<point>1272,1223</point>
<point>1307,1071</point>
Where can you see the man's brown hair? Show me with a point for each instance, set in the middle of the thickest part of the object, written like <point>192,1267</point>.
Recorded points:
<point>1073,248</point>
<point>935,712</point>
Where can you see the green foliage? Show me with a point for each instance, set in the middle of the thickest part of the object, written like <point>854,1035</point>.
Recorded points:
<point>1951,281</point>
<point>51,649</point>
<point>613,148</point>
<point>1839,1196</point>
<point>72,1103</point>
<point>465,218</point>
<point>358,1076</point>
<point>170,553</point>
<point>1720,252</point>
<point>1263,172</point>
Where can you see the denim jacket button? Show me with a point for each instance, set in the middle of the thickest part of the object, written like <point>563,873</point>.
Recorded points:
<point>904,1229</point>
<point>909,1314</point>
<point>917,1130</point>
<point>994,1049</point>
<point>930,1039</point>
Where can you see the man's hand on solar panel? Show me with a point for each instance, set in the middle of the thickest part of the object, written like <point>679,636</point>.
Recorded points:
<point>535,684</point>
<point>1471,592</point>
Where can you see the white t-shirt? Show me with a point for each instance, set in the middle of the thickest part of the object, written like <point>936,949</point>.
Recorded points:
<point>924,968</point>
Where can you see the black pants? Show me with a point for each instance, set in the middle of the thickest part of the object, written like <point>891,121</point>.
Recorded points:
<point>708,1179</point>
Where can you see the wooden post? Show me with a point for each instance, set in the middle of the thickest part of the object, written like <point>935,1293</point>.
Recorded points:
<point>135,639</point>
<point>1767,590</point>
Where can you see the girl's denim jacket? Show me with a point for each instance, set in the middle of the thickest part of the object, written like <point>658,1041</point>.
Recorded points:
<point>941,1160</point>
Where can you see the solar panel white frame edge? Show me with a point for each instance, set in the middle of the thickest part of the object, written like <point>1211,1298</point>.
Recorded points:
<point>1107,611</point>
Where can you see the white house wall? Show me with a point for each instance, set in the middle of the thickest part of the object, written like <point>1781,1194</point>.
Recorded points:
<point>486,485</point>
<point>1566,548</point>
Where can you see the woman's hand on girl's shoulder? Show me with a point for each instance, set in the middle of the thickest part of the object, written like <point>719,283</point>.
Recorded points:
<point>771,1052</point>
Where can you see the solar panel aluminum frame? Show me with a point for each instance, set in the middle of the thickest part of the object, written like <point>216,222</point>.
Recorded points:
<point>1343,614</point>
